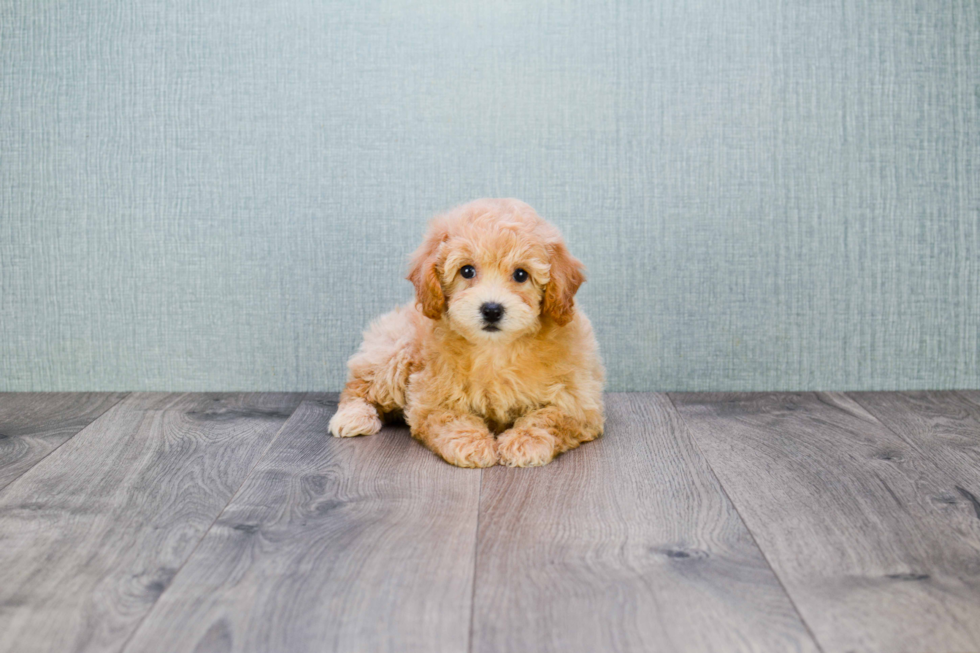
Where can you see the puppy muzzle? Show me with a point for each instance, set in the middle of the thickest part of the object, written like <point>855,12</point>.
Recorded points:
<point>492,313</point>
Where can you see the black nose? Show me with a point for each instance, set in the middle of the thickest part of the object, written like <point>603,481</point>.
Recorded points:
<point>492,312</point>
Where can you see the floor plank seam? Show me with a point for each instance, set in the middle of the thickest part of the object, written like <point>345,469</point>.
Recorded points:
<point>476,552</point>
<point>962,394</point>
<point>898,435</point>
<point>207,530</point>
<point>762,552</point>
<point>69,439</point>
<point>966,494</point>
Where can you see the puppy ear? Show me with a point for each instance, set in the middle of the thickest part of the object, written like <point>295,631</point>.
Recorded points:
<point>422,273</point>
<point>567,274</point>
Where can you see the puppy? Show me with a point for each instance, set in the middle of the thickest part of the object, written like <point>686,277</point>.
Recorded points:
<point>493,362</point>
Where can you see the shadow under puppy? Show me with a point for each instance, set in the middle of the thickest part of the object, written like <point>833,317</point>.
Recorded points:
<point>493,362</point>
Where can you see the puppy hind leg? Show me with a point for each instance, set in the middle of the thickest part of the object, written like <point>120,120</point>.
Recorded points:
<point>379,373</point>
<point>355,415</point>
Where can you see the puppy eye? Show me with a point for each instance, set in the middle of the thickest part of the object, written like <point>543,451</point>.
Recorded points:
<point>468,271</point>
<point>520,275</point>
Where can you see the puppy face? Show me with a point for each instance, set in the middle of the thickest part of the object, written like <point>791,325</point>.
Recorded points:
<point>494,283</point>
<point>495,271</point>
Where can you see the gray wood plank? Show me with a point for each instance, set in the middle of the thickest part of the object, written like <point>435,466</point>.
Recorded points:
<point>941,426</point>
<point>856,523</point>
<point>92,534</point>
<point>33,424</point>
<point>362,544</point>
<point>626,544</point>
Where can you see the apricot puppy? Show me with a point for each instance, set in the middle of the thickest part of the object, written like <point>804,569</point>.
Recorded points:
<point>493,362</point>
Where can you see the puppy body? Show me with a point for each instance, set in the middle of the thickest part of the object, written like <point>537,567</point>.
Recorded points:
<point>531,376</point>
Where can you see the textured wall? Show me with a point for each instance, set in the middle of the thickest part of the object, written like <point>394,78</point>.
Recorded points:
<point>220,195</point>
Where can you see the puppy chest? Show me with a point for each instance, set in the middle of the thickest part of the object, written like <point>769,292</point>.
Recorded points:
<point>501,398</point>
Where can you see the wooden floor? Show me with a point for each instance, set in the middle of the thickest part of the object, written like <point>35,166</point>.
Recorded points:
<point>231,522</point>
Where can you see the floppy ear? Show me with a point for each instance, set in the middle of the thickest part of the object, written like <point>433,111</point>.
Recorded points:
<point>422,273</point>
<point>567,274</point>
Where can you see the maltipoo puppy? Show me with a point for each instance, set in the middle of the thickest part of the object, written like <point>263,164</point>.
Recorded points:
<point>493,362</point>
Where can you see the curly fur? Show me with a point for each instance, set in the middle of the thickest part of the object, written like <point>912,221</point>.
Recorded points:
<point>519,395</point>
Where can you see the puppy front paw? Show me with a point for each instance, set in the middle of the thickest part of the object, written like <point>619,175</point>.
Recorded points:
<point>356,417</point>
<point>468,449</point>
<point>526,447</point>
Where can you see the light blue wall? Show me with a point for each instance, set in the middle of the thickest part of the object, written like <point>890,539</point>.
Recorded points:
<point>220,195</point>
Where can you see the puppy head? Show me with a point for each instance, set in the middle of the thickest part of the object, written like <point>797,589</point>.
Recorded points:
<point>495,270</point>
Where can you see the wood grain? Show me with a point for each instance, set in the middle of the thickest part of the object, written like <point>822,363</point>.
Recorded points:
<point>626,544</point>
<point>91,535</point>
<point>33,424</point>
<point>362,544</point>
<point>856,522</point>
<point>941,426</point>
